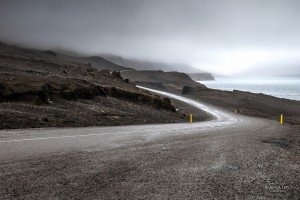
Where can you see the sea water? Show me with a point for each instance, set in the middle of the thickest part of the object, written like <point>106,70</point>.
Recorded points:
<point>288,88</point>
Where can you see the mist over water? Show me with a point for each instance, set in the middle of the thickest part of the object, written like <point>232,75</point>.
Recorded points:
<point>288,88</point>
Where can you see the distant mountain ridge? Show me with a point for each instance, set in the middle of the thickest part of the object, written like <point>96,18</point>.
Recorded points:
<point>151,65</point>
<point>102,62</point>
<point>194,73</point>
<point>60,58</point>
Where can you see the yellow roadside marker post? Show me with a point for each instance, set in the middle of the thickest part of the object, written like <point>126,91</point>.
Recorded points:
<point>235,111</point>
<point>190,118</point>
<point>281,119</point>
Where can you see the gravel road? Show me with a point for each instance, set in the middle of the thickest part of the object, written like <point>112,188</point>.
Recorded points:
<point>230,157</point>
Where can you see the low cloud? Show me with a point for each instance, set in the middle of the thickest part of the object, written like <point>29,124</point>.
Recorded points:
<point>232,37</point>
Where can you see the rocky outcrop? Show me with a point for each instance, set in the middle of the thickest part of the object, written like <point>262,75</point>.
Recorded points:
<point>42,91</point>
<point>158,102</point>
<point>190,90</point>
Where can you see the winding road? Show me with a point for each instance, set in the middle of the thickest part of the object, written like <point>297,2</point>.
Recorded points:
<point>230,157</point>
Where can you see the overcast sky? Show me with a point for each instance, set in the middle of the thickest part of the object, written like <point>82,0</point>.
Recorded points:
<point>221,36</point>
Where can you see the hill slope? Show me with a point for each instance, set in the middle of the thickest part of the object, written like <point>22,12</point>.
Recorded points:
<point>151,65</point>
<point>39,93</point>
<point>59,58</point>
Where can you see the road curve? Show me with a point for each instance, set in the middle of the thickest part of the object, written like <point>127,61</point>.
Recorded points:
<point>223,158</point>
<point>220,116</point>
<point>73,138</point>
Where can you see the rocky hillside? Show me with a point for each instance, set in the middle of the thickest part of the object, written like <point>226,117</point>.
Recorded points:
<point>40,93</point>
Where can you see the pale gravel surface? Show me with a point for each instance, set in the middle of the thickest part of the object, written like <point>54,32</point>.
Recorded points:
<point>232,157</point>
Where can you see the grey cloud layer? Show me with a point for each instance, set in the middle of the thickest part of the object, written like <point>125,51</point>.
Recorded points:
<point>191,31</point>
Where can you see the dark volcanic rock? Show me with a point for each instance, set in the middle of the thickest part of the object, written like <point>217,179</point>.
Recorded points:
<point>76,91</point>
<point>2,89</point>
<point>52,53</point>
<point>22,91</point>
<point>186,90</point>
<point>157,101</point>
<point>128,81</point>
<point>116,74</point>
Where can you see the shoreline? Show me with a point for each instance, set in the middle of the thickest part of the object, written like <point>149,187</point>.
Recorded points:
<point>285,88</point>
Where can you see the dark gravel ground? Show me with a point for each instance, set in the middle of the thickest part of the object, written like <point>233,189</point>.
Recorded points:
<point>230,164</point>
<point>101,111</point>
